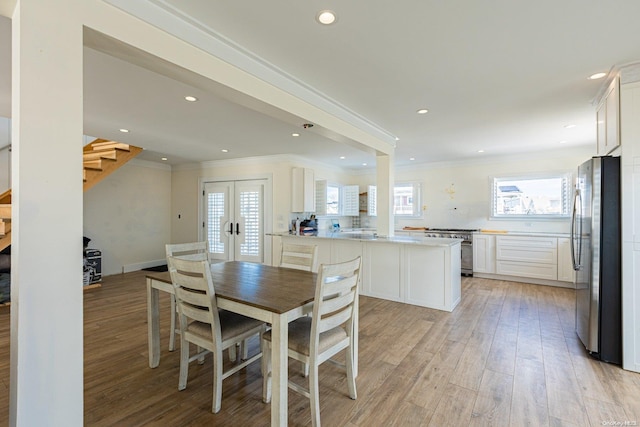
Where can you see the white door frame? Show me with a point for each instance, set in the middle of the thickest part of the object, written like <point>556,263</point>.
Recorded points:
<point>268,207</point>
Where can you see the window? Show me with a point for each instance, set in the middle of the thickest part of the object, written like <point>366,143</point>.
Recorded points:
<point>406,199</point>
<point>534,197</point>
<point>333,200</point>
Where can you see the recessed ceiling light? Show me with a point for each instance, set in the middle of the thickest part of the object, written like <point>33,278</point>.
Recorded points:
<point>562,142</point>
<point>190,98</point>
<point>412,158</point>
<point>224,150</point>
<point>295,134</point>
<point>597,76</point>
<point>164,159</point>
<point>397,139</point>
<point>326,17</point>
<point>569,126</point>
<point>480,151</point>
<point>422,111</point>
<point>364,164</point>
<point>124,130</point>
<point>342,157</point>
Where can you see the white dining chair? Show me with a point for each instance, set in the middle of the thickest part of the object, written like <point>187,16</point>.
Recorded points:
<point>300,257</point>
<point>195,251</point>
<point>314,340</point>
<point>203,324</point>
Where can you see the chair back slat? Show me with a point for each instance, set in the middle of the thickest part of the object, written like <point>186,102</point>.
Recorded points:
<point>299,257</point>
<point>196,251</point>
<point>336,319</point>
<point>336,293</point>
<point>197,313</point>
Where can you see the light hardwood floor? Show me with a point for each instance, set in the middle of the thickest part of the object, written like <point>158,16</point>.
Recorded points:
<point>508,355</point>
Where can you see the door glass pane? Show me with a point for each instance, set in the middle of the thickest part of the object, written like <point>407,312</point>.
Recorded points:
<point>215,211</point>
<point>250,210</point>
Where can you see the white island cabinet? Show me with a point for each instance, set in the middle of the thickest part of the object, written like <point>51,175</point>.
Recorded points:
<point>414,270</point>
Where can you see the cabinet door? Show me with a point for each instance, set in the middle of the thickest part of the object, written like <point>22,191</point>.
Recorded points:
<point>601,125</point>
<point>303,190</point>
<point>613,107</point>
<point>565,265</point>
<point>382,263</point>
<point>484,254</point>
<point>426,276</point>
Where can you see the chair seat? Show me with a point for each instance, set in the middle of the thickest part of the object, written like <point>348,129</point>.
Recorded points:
<point>231,325</point>
<point>300,336</point>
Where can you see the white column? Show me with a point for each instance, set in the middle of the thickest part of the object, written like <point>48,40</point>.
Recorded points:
<point>385,178</point>
<point>46,290</point>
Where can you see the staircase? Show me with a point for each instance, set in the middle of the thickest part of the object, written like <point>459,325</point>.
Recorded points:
<point>100,158</point>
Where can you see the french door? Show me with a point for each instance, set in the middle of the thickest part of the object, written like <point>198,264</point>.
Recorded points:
<point>234,219</point>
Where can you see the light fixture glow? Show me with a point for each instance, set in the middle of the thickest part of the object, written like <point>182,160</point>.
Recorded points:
<point>326,17</point>
<point>480,151</point>
<point>295,134</point>
<point>224,150</point>
<point>597,76</point>
<point>422,111</point>
<point>562,142</point>
<point>190,98</point>
<point>342,157</point>
<point>364,164</point>
<point>412,158</point>
<point>164,159</point>
<point>124,130</point>
<point>569,126</point>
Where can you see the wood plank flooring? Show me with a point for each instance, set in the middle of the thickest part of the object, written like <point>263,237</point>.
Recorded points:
<point>508,355</point>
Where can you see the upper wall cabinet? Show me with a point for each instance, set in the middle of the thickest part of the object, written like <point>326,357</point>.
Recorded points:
<point>608,121</point>
<point>303,190</point>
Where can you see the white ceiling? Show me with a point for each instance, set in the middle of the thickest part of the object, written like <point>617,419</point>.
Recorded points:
<point>503,76</point>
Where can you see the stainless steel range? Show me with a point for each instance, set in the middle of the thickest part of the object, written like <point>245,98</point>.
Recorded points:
<point>466,248</point>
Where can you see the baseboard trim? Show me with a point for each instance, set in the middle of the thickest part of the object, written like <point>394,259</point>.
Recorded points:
<point>530,280</point>
<point>140,265</point>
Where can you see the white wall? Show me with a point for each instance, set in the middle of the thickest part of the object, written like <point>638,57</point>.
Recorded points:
<point>126,216</point>
<point>5,154</point>
<point>469,206</point>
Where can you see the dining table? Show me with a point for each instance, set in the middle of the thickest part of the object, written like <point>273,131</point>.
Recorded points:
<point>274,295</point>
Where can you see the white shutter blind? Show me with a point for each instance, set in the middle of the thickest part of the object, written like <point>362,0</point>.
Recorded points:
<point>371,202</point>
<point>215,211</point>
<point>250,209</point>
<point>321,198</point>
<point>350,200</point>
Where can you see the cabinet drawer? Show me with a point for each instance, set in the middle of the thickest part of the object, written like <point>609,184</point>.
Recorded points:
<point>527,269</point>
<point>527,249</point>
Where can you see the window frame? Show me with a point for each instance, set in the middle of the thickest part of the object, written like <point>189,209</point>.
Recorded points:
<point>417,199</point>
<point>565,197</point>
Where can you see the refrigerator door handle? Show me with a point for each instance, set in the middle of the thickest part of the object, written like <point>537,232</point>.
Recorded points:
<point>573,229</point>
<point>577,198</point>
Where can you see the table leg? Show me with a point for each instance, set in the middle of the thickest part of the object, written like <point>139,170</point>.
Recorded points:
<point>153,324</point>
<point>279,370</point>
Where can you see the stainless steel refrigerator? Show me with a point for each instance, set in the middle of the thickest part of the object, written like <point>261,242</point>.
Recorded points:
<point>596,254</point>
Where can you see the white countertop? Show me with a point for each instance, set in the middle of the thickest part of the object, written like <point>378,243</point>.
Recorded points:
<point>374,238</point>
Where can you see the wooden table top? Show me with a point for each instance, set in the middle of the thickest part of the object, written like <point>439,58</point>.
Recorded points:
<point>274,289</point>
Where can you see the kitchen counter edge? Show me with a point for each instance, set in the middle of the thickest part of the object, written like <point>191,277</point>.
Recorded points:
<point>424,241</point>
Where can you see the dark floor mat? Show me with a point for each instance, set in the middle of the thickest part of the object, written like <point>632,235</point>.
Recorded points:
<point>157,268</point>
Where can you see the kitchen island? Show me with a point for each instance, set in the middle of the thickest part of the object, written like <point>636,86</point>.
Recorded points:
<point>415,270</point>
